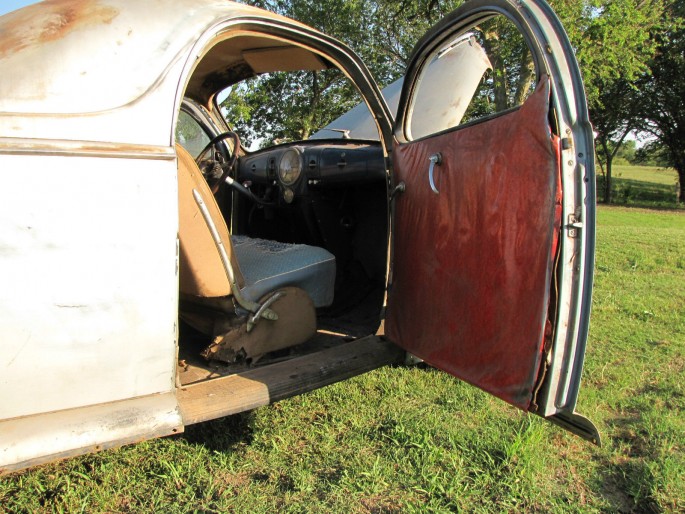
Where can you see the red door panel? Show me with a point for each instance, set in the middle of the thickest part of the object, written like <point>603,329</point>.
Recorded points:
<point>472,266</point>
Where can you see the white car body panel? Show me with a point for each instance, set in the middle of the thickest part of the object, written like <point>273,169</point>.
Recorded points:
<point>147,45</point>
<point>87,284</point>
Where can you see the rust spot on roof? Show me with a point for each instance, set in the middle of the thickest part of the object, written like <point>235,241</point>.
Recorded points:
<point>50,20</point>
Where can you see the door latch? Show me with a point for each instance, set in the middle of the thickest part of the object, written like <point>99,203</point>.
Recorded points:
<point>574,225</point>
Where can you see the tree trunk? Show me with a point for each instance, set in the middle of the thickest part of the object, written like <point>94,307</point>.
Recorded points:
<point>610,154</point>
<point>308,123</point>
<point>499,71</point>
<point>526,77</point>
<point>676,152</point>
<point>607,182</point>
<point>607,174</point>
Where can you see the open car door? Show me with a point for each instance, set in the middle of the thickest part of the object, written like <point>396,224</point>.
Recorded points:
<point>493,208</point>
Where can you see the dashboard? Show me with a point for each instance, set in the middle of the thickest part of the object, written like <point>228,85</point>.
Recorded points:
<point>297,168</point>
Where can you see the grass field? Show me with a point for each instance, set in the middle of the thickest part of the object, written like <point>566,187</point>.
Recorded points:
<point>410,439</point>
<point>643,186</point>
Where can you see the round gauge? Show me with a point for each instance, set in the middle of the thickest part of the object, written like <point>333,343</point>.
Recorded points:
<point>290,167</point>
<point>288,195</point>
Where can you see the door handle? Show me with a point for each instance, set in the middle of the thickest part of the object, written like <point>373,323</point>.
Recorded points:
<point>434,159</point>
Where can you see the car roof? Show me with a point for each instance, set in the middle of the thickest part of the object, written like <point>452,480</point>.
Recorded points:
<point>65,63</point>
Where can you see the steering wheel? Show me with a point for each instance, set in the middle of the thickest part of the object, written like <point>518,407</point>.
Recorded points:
<point>212,165</point>
<point>215,166</point>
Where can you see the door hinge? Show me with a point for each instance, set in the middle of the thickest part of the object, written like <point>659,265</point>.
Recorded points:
<point>399,188</point>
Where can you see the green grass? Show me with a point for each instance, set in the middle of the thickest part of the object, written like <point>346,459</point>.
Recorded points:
<point>642,186</point>
<point>410,439</point>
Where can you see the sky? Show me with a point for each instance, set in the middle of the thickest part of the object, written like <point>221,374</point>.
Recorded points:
<point>10,5</point>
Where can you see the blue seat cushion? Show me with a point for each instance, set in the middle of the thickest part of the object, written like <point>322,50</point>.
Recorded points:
<point>269,265</point>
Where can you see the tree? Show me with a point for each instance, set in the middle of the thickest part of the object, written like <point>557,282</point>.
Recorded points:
<point>308,100</point>
<point>615,115</point>
<point>383,32</point>
<point>627,153</point>
<point>662,93</point>
<point>652,153</point>
<point>611,39</point>
<point>613,43</point>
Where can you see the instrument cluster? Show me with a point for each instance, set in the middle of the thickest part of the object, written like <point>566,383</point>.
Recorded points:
<point>296,168</point>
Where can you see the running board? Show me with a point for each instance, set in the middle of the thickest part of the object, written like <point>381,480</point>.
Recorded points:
<point>245,391</point>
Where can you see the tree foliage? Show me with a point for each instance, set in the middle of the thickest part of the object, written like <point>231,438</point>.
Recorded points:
<point>288,106</point>
<point>612,38</point>
<point>306,101</point>
<point>383,32</point>
<point>662,93</point>
<point>615,115</point>
<point>614,41</point>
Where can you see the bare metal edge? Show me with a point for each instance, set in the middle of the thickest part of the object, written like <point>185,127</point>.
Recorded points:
<point>42,438</point>
<point>578,425</point>
<point>68,454</point>
<point>59,147</point>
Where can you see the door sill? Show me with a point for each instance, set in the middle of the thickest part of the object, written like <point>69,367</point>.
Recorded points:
<point>232,394</point>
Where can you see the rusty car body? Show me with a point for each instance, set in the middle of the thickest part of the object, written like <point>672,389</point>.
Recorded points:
<point>154,275</point>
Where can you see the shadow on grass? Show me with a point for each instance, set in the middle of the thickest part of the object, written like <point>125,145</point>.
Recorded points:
<point>223,434</point>
<point>624,478</point>
<point>640,193</point>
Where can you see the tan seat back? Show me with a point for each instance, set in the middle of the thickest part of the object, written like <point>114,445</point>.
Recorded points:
<point>201,272</point>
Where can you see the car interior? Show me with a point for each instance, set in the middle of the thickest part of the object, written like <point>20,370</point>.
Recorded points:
<point>283,239</point>
<point>283,249</point>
